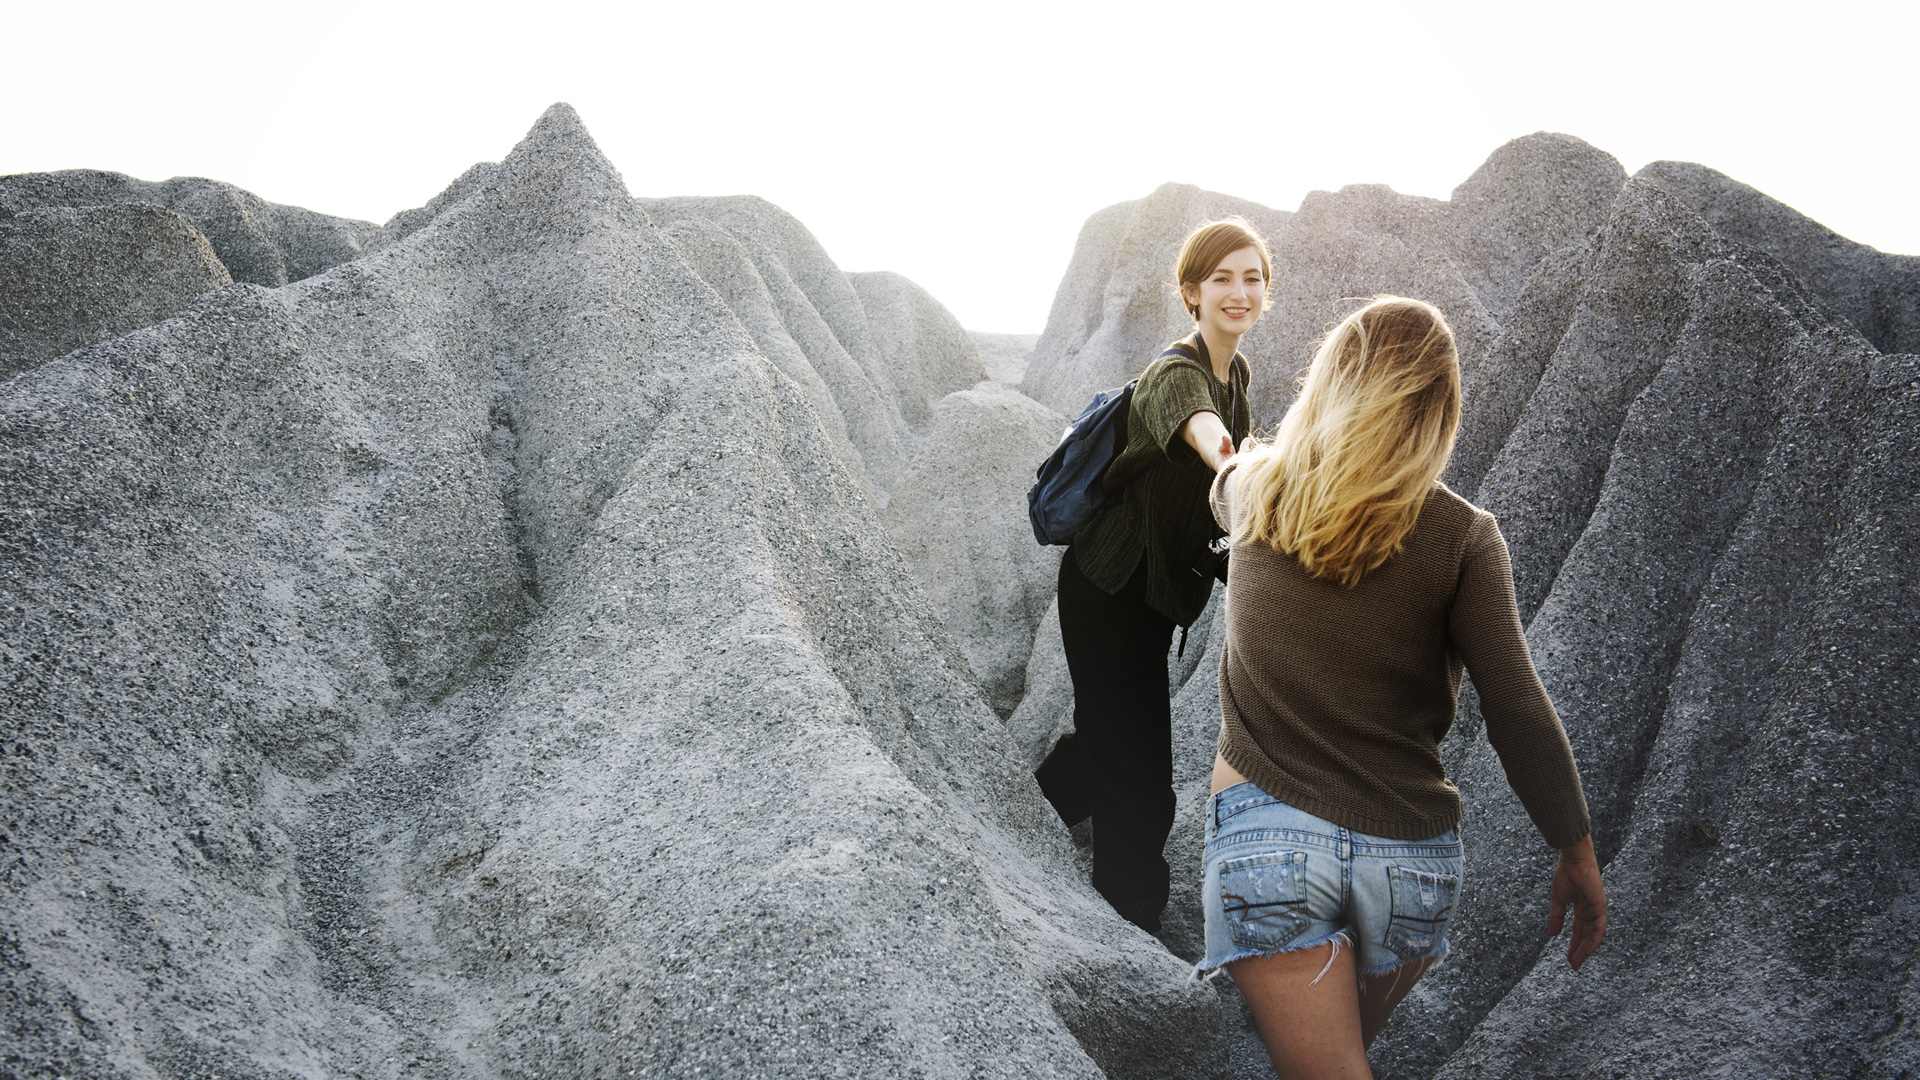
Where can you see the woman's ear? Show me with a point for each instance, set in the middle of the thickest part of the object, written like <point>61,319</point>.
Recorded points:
<point>1190,296</point>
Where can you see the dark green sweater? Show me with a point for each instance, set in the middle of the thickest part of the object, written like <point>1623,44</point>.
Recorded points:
<point>1162,514</point>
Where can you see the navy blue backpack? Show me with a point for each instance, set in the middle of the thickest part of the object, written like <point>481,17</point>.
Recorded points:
<point>1066,491</point>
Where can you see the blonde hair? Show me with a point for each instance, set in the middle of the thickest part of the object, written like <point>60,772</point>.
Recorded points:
<point>1207,246</point>
<point>1344,478</point>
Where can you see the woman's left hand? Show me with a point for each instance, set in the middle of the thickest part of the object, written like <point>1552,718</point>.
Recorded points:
<point>1576,884</point>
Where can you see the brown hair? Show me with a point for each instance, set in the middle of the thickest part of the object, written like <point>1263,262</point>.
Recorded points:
<point>1207,245</point>
<point>1344,478</point>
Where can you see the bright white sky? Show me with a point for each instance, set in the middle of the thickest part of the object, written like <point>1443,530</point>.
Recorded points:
<point>963,146</point>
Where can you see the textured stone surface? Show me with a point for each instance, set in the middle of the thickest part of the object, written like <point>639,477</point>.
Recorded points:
<point>565,640</point>
<point>959,517</point>
<point>71,277</point>
<point>804,307</point>
<point>924,353</point>
<point>1531,198</point>
<point>478,660</point>
<point>1872,289</point>
<point>1706,478</point>
<point>259,242</point>
<point>1713,508</point>
<point>1116,308</point>
<point>1005,356</point>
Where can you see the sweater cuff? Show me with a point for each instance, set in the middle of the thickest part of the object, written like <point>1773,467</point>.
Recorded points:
<point>1565,837</point>
<point>1219,498</point>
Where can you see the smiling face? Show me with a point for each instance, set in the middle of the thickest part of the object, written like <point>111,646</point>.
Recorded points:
<point>1232,296</point>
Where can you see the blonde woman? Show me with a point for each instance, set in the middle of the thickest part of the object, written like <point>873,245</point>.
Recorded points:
<point>1138,569</point>
<point>1361,587</point>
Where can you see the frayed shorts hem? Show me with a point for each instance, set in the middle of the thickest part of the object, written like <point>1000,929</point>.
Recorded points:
<point>1209,966</point>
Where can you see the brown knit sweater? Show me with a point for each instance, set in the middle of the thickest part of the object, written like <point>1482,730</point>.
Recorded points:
<point>1335,699</point>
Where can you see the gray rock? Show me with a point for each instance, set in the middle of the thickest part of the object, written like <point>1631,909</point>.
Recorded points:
<point>1005,355</point>
<point>1472,256</point>
<point>1730,642</point>
<point>1495,389</point>
<point>1341,249</point>
<point>723,262</point>
<point>1116,307</point>
<point>258,242</point>
<point>407,222</point>
<point>1530,199</point>
<point>1623,325</point>
<point>478,660</point>
<point>923,352</point>
<point>822,314</point>
<point>1045,711</point>
<point>71,277</point>
<point>492,656</point>
<point>959,517</point>
<point>1705,477</point>
<point>1871,289</point>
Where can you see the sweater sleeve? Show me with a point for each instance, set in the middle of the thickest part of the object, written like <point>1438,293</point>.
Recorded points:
<point>1521,722</point>
<point>1221,496</point>
<point>1169,393</point>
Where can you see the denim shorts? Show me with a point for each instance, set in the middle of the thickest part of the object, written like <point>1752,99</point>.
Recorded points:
<point>1278,879</point>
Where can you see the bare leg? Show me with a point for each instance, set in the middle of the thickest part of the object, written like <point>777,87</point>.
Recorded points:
<point>1311,1028</point>
<point>1380,993</point>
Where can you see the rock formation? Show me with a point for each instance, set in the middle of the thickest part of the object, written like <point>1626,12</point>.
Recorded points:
<point>960,519</point>
<point>1704,472</point>
<point>259,242</point>
<point>1712,506</point>
<point>1005,356</point>
<point>567,635</point>
<point>1871,289</point>
<point>923,351</point>
<point>71,277</point>
<point>481,659</point>
<point>1116,307</point>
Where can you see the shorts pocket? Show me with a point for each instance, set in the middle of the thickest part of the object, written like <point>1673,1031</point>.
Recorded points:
<point>1263,896</point>
<point>1422,902</point>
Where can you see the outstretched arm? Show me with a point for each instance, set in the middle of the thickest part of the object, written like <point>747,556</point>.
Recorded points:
<point>1576,884</point>
<point>1209,438</point>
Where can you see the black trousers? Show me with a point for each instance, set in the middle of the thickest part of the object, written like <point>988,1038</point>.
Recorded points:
<point>1117,764</point>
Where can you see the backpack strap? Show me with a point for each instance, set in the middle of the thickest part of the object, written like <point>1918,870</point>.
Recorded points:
<point>1183,349</point>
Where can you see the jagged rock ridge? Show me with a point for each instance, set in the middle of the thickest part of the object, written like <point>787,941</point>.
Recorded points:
<point>482,659</point>
<point>1704,471</point>
<point>564,637</point>
<point>258,242</point>
<point>70,277</point>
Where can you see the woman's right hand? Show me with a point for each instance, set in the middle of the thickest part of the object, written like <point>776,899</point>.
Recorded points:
<point>1576,884</point>
<point>1208,436</point>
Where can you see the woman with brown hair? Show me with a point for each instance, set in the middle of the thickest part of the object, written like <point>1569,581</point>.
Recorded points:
<point>1138,568</point>
<point>1361,587</point>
